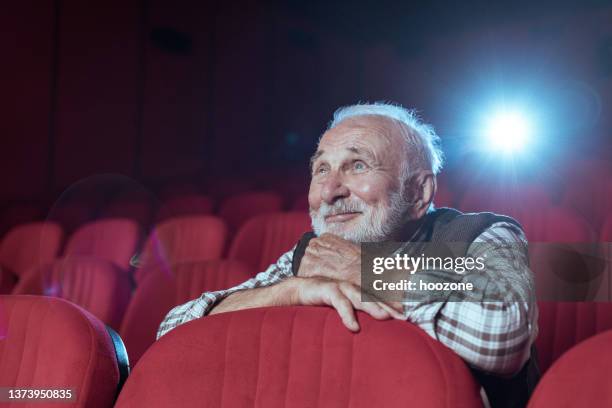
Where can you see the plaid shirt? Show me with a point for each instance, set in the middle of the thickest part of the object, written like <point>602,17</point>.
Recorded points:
<point>491,336</point>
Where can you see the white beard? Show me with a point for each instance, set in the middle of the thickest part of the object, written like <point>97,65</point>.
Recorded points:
<point>375,224</point>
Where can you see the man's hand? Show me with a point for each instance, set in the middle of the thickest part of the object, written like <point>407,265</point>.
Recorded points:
<point>343,296</point>
<point>332,257</point>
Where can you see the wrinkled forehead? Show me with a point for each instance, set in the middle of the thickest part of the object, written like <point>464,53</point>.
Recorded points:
<point>380,135</point>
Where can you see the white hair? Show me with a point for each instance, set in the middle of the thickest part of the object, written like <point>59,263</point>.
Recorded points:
<point>421,139</point>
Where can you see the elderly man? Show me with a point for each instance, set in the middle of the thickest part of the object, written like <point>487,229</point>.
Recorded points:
<point>374,179</point>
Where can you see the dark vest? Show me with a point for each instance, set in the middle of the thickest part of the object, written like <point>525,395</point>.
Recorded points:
<point>448,225</point>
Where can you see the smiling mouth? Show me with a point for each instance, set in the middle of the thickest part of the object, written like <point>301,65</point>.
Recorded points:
<point>342,217</point>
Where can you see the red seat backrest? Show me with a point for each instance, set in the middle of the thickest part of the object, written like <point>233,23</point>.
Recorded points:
<point>183,239</point>
<point>95,284</point>
<point>238,209</point>
<point>301,203</point>
<point>114,240</point>
<point>582,377</point>
<point>49,343</point>
<point>160,291</point>
<point>564,324</point>
<point>30,245</point>
<point>262,240</point>
<point>298,357</point>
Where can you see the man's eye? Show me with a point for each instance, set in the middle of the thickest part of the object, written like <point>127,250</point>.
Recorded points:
<point>359,166</point>
<point>321,170</point>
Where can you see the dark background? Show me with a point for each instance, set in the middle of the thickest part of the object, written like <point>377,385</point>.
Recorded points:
<point>169,91</point>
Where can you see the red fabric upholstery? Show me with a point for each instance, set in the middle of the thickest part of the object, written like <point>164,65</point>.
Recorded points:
<point>508,200</point>
<point>606,229</point>
<point>582,377</point>
<point>50,343</point>
<point>555,224</point>
<point>264,238</point>
<point>160,291</point>
<point>115,240</point>
<point>26,247</point>
<point>563,254</point>
<point>236,210</point>
<point>95,284</point>
<point>590,196</point>
<point>298,357</point>
<point>194,238</point>
<point>193,204</point>
<point>444,196</point>
<point>564,324</point>
<point>301,203</point>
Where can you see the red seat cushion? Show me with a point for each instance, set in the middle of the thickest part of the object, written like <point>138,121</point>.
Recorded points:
<point>564,324</point>
<point>160,291</point>
<point>51,343</point>
<point>298,357</point>
<point>262,240</point>
<point>582,377</point>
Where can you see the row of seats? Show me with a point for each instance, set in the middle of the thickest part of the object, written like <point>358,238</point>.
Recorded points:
<point>589,200</point>
<point>93,271</point>
<point>296,356</point>
<point>146,211</point>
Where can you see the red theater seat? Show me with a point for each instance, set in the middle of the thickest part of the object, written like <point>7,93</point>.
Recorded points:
<point>193,204</point>
<point>183,239</point>
<point>114,240</point>
<point>48,343</point>
<point>563,254</point>
<point>507,200</point>
<point>237,209</point>
<point>26,247</point>
<point>564,324</point>
<point>264,238</point>
<point>606,229</point>
<point>591,196</point>
<point>301,203</point>
<point>582,377</point>
<point>95,284</point>
<point>298,357</point>
<point>161,290</point>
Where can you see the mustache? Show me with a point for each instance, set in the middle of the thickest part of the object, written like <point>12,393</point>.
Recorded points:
<point>340,207</point>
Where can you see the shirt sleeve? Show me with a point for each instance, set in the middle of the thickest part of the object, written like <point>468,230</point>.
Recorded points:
<point>495,332</point>
<point>199,307</point>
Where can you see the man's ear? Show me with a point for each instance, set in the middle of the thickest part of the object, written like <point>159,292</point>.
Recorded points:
<point>421,189</point>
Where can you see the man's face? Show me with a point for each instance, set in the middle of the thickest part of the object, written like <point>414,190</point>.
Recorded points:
<point>356,190</point>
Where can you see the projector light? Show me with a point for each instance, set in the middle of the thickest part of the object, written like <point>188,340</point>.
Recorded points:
<point>507,131</point>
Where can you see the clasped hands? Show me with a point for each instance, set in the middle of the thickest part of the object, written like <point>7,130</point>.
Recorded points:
<point>329,274</point>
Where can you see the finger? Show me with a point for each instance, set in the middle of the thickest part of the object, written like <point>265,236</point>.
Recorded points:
<point>345,309</point>
<point>372,308</point>
<point>391,311</point>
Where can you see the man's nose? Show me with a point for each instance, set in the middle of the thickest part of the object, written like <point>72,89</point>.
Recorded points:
<point>334,189</point>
